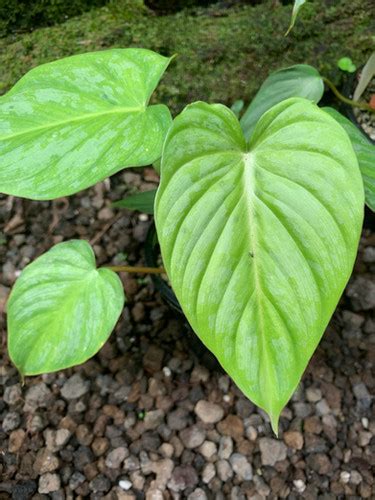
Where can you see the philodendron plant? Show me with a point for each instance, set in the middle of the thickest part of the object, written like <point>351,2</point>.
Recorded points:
<point>258,220</point>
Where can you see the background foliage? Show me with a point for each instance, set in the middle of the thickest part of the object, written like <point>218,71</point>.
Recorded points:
<point>27,15</point>
<point>223,52</point>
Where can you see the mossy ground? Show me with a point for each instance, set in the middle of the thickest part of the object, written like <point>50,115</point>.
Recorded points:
<point>223,53</point>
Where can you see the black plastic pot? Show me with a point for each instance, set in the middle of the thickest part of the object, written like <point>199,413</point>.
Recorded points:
<point>152,254</point>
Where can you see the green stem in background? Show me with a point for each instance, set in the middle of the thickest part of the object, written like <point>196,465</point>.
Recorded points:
<point>355,104</point>
<point>135,269</point>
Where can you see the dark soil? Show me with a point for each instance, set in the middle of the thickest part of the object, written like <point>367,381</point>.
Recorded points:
<point>146,419</point>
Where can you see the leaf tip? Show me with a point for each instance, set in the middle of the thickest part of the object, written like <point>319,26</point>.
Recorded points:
<point>275,423</point>
<point>22,376</point>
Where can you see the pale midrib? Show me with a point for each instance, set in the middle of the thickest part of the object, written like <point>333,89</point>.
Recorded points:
<point>81,118</point>
<point>249,181</point>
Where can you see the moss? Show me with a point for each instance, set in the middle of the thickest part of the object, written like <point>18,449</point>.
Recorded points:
<point>224,53</point>
<point>24,15</point>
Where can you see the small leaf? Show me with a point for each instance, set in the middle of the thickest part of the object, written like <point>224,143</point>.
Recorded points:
<point>62,309</point>
<point>365,152</point>
<point>237,107</point>
<point>68,124</point>
<point>346,64</point>
<point>296,8</point>
<point>143,202</point>
<point>300,80</point>
<point>367,74</point>
<point>259,239</point>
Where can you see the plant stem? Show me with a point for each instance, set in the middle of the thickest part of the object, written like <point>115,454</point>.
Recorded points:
<point>355,104</point>
<point>140,270</point>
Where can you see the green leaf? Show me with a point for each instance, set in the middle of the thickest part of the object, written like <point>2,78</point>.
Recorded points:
<point>143,202</point>
<point>157,164</point>
<point>296,8</point>
<point>365,152</point>
<point>68,124</point>
<point>346,64</point>
<point>300,80</point>
<point>259,239</point>
<point>366,75</point>
<point>237,107</point>
<point>62,309</point>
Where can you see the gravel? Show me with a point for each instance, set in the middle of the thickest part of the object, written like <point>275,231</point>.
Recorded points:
<point>362,293</point>
<point>192,437</point>
<point>37,396</point>
<point>272,451</point>
<point>116,457</point>
<point>45,461</point>
<point>241,467</point>
<point>12,394</point>
<point>183,477</point>
<point>208,449</point>
<point>209,413</point>
<point>294,439</point>
<point>146,418</point>
<point>11,421</point>
<point>56,440</point>
<point>178,419</point>
<point>224,470</point>
<point>75,387</point>
<point>48,483</point>
<point>226,447</point>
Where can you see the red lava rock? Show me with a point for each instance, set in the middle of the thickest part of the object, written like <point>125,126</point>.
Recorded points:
<point>100,425</point>
<point>16,440</point>
<point>313,425</point>
<point>112,411</point>
<point>320,463</point>
<point>84,435</point>
<point>183,477</point>
<point>99,446</point>
<point>153,359</point>
<point>45,462</point>
<point>131,287</point>
<point>279,487</point>
<point>293,439</point>
<point>138,312</point>
<point>231,426</point>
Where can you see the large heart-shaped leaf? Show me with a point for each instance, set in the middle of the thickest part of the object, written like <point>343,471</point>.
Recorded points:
<point>62,309</point>
<point>69,124</point>
<point>259,239</point>
<point>300,80</point>
<point>365,152</point>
